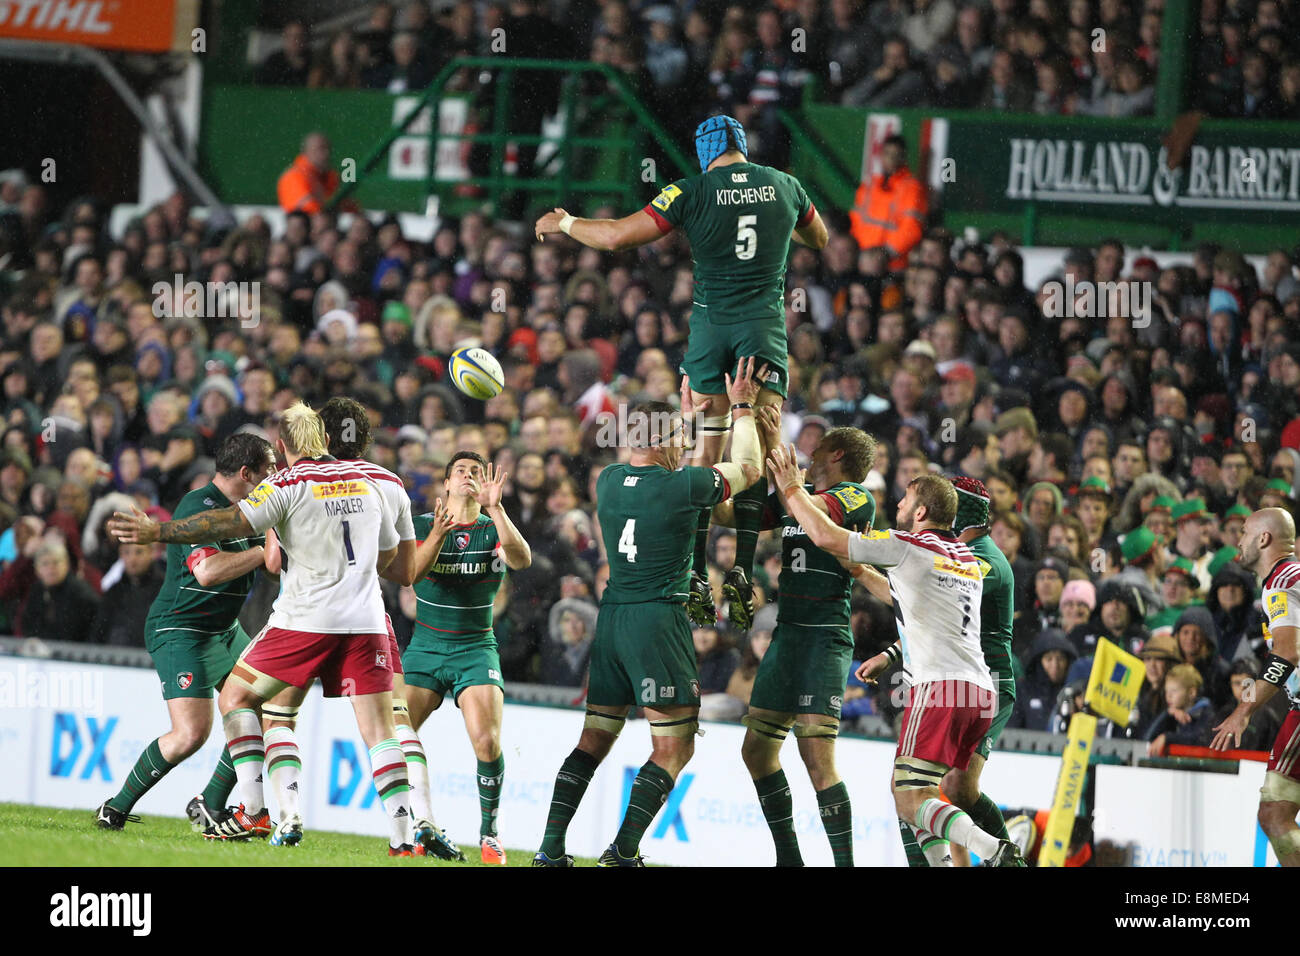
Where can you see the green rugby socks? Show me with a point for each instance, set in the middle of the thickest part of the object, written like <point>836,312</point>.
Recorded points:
<point>778,809</point>
<point>150,767</point>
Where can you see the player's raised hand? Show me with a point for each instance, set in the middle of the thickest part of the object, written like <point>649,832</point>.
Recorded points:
<point>442,520</point>
<point>133,527</point>
<point>549,223</point>
<point>745,386</point>
<point>489,492</point>
<point>1227,735</point>
<point>784,466</point>
<point>768,420</point>
<point>688,403</point>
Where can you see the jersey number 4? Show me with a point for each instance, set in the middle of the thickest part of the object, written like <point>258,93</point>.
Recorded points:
<point>627,541</point>
<point>746,237</point>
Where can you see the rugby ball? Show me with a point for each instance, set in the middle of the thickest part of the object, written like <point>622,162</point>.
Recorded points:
<point>476,373</point>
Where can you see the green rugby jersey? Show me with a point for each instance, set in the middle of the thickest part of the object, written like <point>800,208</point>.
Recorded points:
<point>814,588</point>
<point>182,605</point>
<point>997,608</point>
<point>738,219</point>
<point>647,518</point>
<point>454,600</point>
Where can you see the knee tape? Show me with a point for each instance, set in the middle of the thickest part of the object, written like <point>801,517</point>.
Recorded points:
<point>1287,844</point>
<point>1279,788</point>
<point>817,730</point>
<point>913,774</point>
<point>605,722</point>
<point>774,731</point>
<point>263,685</point>
<point>401,716</point>
<point>685,727</point>
<point>715,424</point>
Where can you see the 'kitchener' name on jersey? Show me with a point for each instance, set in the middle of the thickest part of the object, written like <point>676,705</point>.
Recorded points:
<point>742,197</point>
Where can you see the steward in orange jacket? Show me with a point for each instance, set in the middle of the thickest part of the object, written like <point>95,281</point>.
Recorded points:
<point>890,210</point>
<point>307,185</point>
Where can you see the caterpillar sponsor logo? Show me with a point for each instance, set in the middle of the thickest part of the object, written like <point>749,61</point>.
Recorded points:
<point>340,489</point>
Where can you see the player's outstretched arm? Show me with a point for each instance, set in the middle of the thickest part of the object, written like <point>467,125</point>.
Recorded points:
<point>402,569</point>
<point>136,527</point>
<point>513,546</point>
<point>871,579</point>
<point>800,505</point>
<point>1278,667</point>
<point>607,235</point>
<point>227,565</point>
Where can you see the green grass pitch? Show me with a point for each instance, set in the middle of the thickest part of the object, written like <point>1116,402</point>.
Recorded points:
<point>45,836</point>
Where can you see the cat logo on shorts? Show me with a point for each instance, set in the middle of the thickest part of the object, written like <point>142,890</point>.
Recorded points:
<point>381,659</point>
<point>184,679</point>
<point>695,688</point>
<point>462,539</point>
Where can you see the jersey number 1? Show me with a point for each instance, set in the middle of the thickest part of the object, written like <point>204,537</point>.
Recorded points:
<point>746,237</point>
<point>627,541</point>
<point>347,543</point>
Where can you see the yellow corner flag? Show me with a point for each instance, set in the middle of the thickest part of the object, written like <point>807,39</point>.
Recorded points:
<point>1069,790</point>
<point>1112,692</point>
<point>1114,683</point>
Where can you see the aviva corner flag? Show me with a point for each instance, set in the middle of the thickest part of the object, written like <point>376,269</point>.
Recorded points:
<point>1114,683</point>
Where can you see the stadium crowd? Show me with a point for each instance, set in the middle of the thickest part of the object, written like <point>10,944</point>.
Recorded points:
<point>1121,455</point>
<point>1080,57</point>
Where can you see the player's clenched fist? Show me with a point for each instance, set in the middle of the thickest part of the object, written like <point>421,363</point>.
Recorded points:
<point>549,223</point>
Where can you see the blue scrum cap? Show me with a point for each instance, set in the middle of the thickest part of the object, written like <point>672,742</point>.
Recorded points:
<point>715,136</point>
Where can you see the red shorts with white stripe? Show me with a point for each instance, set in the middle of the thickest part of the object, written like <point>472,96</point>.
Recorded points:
<point>945,721</point>
<point>348,665</point>
<point>1284,758</point>
<point>394,652</point>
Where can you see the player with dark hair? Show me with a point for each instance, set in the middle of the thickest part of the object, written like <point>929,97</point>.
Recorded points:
<point>466,544</point>
<point>643,653</point>
<point>800,680</point>
<point>997,613</point>
<point>1268,548</point>
<point>740,218</point>
<point>936,585</point>
<point>194,637</point>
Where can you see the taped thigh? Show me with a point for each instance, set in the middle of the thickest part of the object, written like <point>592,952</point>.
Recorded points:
<point>912,773</point>
<point>604,722</point>
<point>817,730</point>
<point>683,727</point>
<point>763,728</point>
<point>1279,788</point>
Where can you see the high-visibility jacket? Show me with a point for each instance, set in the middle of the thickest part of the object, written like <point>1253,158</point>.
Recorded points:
<point>890,212</point>
<point>304,188</point>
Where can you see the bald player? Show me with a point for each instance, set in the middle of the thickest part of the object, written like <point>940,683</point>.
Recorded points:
<point>1268,548</point>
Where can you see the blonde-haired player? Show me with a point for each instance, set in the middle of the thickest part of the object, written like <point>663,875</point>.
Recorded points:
<point>333,522</point>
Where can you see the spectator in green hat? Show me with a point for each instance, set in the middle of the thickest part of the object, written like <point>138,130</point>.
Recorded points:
<point>1192,538</point>
<point>1144,564</point>
<point>1277,494</point>
<point>1159,517</point>
<point>1234,519</point>
<point>1093,503</point>
<point>1179,588</point>
<point>396,324</point>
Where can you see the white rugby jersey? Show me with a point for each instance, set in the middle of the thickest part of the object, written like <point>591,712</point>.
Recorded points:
<point>1281,600</point>
<point>936,585</point>
<point>333,518</point>
<point>399,502</point>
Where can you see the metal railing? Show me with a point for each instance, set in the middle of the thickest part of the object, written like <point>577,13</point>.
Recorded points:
<point>562,186</point>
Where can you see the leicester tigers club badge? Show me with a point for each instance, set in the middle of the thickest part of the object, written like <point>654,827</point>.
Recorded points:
<point>184,679</point>
<point>462,540</point>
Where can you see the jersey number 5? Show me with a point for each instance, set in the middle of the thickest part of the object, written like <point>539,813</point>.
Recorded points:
<point>746,237</point>
<point>627,541</point>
